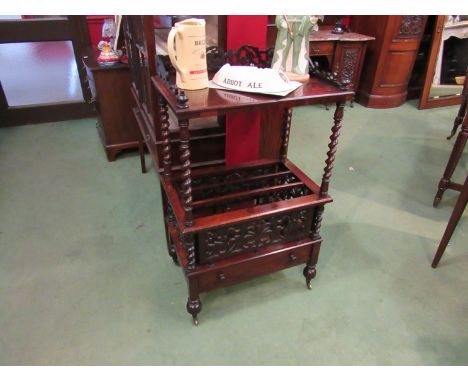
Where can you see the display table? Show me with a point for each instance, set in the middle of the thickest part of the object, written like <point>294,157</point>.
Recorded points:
<point>225,224</point>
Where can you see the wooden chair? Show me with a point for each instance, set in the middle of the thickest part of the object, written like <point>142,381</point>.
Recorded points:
<point>453,221</point>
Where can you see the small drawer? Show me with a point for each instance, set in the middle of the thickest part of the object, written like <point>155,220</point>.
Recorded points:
<point>252,267</point>
<point>321,48</point>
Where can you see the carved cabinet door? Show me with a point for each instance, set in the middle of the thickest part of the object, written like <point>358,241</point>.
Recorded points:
<point>348,62</point>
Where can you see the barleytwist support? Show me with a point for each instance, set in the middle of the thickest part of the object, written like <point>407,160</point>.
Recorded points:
<point>317,223</point>
<point>166,148</point>
<point>186,189</point>
<point>189,246</point>
<point>285,133</point>
<point>338,117</point>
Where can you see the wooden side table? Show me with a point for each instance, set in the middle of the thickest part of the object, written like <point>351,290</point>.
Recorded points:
<point>112,99</point>
<point>344,52</point>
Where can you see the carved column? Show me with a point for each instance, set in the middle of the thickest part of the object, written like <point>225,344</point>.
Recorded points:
<point>338,117</point>
<point>186,191</point>
<point>285,133</point>
<point>166,148</point>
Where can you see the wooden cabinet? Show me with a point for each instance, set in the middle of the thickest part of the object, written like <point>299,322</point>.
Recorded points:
<point>111,97</point>
<point>390,57</point>
<point>227,224</point>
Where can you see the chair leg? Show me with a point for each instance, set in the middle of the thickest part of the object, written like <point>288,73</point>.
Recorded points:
<point>141,151</point>
<point>458,119</point>
<point>454,158</point>
<point>453,221</point>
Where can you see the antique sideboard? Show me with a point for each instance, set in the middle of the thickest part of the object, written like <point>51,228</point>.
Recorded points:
<point>227,224</point>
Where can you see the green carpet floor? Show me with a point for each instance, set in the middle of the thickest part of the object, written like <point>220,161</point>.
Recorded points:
<point>85,277</point>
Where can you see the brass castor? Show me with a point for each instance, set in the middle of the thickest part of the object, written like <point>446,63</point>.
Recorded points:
<point>194,307</point>
<point>309,273</point>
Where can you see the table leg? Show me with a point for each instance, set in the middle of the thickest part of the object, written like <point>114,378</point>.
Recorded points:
<point>194,304</point>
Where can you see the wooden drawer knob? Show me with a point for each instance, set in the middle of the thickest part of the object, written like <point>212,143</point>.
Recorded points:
<point>292,257</point>
<point>221,277</point>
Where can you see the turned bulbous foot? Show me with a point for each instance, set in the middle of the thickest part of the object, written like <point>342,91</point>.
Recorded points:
<point>194,307</point>
<point>309,273</point>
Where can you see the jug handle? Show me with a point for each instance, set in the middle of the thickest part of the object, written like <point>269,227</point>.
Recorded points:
<point>171,52</point>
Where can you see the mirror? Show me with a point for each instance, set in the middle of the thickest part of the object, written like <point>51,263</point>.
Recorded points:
<point>447,63</point>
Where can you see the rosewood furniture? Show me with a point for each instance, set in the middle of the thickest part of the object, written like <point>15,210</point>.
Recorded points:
<point>227,224</point>
<point>112,99</point>
<point>389,59</point>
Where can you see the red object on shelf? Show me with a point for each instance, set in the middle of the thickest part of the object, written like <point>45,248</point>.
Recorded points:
<point>243,129</point>
<point>95,28</point>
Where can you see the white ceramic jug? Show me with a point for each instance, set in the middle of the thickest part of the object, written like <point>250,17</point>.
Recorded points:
<point>189,57</point>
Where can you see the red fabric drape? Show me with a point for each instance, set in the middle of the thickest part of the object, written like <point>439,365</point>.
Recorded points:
<point>243,129</point>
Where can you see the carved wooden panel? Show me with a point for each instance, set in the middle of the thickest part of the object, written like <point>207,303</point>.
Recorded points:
<point>349,62</point>
<point>411,26</point>
<point>255,235</point>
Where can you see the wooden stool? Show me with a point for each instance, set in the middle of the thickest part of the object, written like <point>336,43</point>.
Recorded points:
<point>453,221</point>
